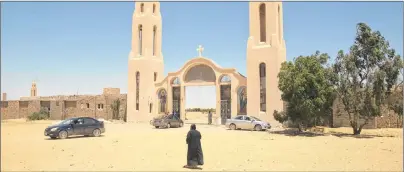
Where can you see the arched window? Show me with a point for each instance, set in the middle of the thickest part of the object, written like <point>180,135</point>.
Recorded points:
<point>225,79</point>
<point>141,7</point>
<point>154,8</point>
<point>155,76</point>
<point>137,89</point>
<point>140,39</point>
<point>176,81</point>
<point>279,23</point>
<point>263,94</point>
<point>262,23</point>
<point>154,40</point>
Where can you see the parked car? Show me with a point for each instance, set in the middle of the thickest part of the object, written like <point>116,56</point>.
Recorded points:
<point>167,121</point>
<point>248,123</point>
<point>75,126</point>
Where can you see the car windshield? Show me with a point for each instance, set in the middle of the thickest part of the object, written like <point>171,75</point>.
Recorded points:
<point>255,118</point>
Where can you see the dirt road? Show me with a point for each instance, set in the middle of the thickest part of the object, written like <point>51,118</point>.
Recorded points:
<point>141,147</point>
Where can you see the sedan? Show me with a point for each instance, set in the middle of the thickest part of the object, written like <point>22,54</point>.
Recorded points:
<point>75,126</point>
<point>247,123</point>
<point>167,121</point>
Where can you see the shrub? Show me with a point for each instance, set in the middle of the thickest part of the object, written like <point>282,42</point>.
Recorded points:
<point>41,115</point>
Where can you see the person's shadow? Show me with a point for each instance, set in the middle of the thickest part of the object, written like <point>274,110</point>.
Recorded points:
<point>193,167</point>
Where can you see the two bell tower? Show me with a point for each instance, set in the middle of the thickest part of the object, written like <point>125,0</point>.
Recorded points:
<point>145,63</point>
<point>265,53</point>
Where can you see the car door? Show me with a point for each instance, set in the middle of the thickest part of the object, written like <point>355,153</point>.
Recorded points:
<point>175,122</point>
<point>89,126</point>
<point>78,126</point>
<point>248,123</point>
<point>238,120</point>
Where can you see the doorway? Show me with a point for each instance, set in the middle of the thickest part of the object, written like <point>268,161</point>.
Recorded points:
<point>200,100</point>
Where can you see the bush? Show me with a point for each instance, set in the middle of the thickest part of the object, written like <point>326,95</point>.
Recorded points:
<point>41,115</point>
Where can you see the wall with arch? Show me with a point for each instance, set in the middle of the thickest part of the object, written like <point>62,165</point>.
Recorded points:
<point>212,75</point>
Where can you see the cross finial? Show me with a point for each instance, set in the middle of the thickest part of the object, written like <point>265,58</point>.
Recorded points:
<point>200,50</point>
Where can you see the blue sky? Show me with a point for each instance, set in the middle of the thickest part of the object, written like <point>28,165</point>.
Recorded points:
<point>71,47</point>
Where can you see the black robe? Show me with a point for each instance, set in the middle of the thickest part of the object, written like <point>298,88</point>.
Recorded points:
<point>194,154</point>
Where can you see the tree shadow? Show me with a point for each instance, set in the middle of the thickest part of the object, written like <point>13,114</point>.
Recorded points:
<point>74,137</point>
<point>295,132</point>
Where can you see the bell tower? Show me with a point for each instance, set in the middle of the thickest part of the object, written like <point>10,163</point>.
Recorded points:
<point>145,63</point>
<point>265,52</point>
<point>34,90</point>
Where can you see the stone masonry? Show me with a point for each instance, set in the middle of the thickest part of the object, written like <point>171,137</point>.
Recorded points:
<point>62,107</point>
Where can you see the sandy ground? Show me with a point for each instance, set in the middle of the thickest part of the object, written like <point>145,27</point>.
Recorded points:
<point>140,147</point>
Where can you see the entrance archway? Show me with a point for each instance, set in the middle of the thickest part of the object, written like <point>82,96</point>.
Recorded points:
<point>200,72</point>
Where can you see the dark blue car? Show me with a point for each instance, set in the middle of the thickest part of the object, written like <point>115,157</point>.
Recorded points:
<point>76,126</point>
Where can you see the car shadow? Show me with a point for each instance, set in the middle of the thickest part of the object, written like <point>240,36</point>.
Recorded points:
<point>74,137</point>
<point>245,130</point>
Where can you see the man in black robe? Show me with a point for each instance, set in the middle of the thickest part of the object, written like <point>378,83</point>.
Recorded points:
<point>194,154</point>
<point>209,118</point>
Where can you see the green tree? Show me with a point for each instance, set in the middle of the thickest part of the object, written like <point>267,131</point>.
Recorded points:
<point>307,89</point>
<point>365,76</point>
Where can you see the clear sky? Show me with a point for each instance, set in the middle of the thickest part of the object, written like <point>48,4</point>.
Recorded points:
<point>71,47</point>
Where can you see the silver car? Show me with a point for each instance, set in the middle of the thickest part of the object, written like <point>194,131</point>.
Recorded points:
<point>247,123</point>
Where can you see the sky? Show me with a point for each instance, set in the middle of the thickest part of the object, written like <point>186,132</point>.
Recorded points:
<point>82,47</point>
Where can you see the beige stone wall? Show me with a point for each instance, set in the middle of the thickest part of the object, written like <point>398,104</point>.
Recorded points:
<point>341,118</point>
<point>62,107</point>
<point>112,91</point>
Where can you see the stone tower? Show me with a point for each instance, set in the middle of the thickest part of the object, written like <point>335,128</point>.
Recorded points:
<point>265,52</point>
<point>146,64</point>
<point>34,91</point>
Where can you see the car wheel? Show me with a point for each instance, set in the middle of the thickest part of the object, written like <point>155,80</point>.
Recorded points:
<point>181,124</point>
<point>96,132</point>
<point>53,137</point>
<point>168,125</point>
<point>63,134</point>
<point>258,128</point>
<point>232,126</point>
<point>156,126</point>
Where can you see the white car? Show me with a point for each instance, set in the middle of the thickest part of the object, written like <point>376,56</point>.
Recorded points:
<point>247,122</point>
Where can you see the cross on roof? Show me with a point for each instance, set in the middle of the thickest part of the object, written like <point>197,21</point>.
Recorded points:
<point>200,50</point>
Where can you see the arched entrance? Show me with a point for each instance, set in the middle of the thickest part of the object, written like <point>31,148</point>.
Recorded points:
<point>204,72</point>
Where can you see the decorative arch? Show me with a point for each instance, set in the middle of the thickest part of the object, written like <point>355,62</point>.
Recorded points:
<point>175,81</point>
<point>140,34</point>
<point>225,79</point>
<point>262,17</point>
<point>200,73</point>
<point>162,97</point>
<point>137,89</point>
<point>242,100</point>
<point>263,93</point>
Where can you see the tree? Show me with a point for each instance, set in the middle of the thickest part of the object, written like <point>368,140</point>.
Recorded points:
<point>307,89</point>
<point>365,76</point>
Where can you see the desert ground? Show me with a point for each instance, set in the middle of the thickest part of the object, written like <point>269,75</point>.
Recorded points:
<point>141,147</point>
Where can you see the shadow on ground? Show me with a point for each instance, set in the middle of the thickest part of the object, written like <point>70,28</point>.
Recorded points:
<point>294,132</point>
<point>74,137</point>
